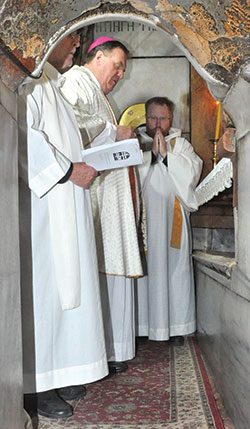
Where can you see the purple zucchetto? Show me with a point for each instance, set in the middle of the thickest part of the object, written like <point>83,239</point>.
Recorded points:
<point>100,41</point>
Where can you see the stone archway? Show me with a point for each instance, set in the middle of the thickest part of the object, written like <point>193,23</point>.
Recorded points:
<point>213,35</point>
<point>215,38</point>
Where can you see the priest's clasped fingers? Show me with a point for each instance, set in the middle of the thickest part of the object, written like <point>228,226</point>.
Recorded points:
<point>155,145</point>
<point>162,145</point>
<point>159,144</point>
<point>83,175</point>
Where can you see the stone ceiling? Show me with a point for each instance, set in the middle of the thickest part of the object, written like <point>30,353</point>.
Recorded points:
<point>213,34</point>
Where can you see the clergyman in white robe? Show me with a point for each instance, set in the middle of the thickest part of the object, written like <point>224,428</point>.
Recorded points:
<point>165,296</point>
<point>62,318</point>
<point>116,233</point>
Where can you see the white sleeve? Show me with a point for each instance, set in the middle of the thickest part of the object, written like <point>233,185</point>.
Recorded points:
<point>46,165</point>
<point>108,135</point>
<point>184,167</point>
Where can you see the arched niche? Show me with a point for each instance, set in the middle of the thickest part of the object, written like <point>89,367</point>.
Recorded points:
<point>212,36</point>
<point>215,38</point>
<point>194,29</point>
<point>217,88</point>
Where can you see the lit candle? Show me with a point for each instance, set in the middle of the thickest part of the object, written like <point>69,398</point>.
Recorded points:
<point>218,122</point>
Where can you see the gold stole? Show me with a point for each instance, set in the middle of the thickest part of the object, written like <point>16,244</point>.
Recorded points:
<point>177,218</point>
<point>109,108</point>
<point>130,168</point>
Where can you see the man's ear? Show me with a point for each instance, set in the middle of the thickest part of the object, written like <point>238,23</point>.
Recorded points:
<point>98,56</point>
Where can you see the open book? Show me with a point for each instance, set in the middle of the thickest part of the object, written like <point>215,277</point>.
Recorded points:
<point>115,155</point>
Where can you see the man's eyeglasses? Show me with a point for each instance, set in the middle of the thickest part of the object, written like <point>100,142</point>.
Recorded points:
<point>155,119</point>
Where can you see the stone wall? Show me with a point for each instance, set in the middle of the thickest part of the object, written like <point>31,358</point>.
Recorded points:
<point>11,402</point>
<point>223,318</point>
<point>223,286</point>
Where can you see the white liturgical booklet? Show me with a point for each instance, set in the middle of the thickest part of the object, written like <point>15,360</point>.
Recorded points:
<point>115,155</point>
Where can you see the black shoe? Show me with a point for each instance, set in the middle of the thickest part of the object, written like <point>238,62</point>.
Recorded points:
<point>140,341</point>
<point>176,341</point>
<point>71,392</point>
<point>50,405</point>
<point>117,366</point>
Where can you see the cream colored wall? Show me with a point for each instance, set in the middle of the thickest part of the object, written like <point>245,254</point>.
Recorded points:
<point>157,68</point>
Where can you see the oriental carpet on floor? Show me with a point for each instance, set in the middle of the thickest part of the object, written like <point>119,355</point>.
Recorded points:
<point>164,387</point>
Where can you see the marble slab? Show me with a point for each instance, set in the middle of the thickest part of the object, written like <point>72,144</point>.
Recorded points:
<point>223,320</point>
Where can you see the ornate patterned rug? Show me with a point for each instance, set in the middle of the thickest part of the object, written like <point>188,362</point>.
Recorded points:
<point>164,387</point>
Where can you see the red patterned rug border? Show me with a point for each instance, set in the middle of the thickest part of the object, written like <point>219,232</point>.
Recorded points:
<point>173,397</point>
<point>207,386</point>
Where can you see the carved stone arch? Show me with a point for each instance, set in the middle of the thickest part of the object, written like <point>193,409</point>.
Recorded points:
<point>217,88</point>
<point>213,35</point>
<point>215,38</point>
